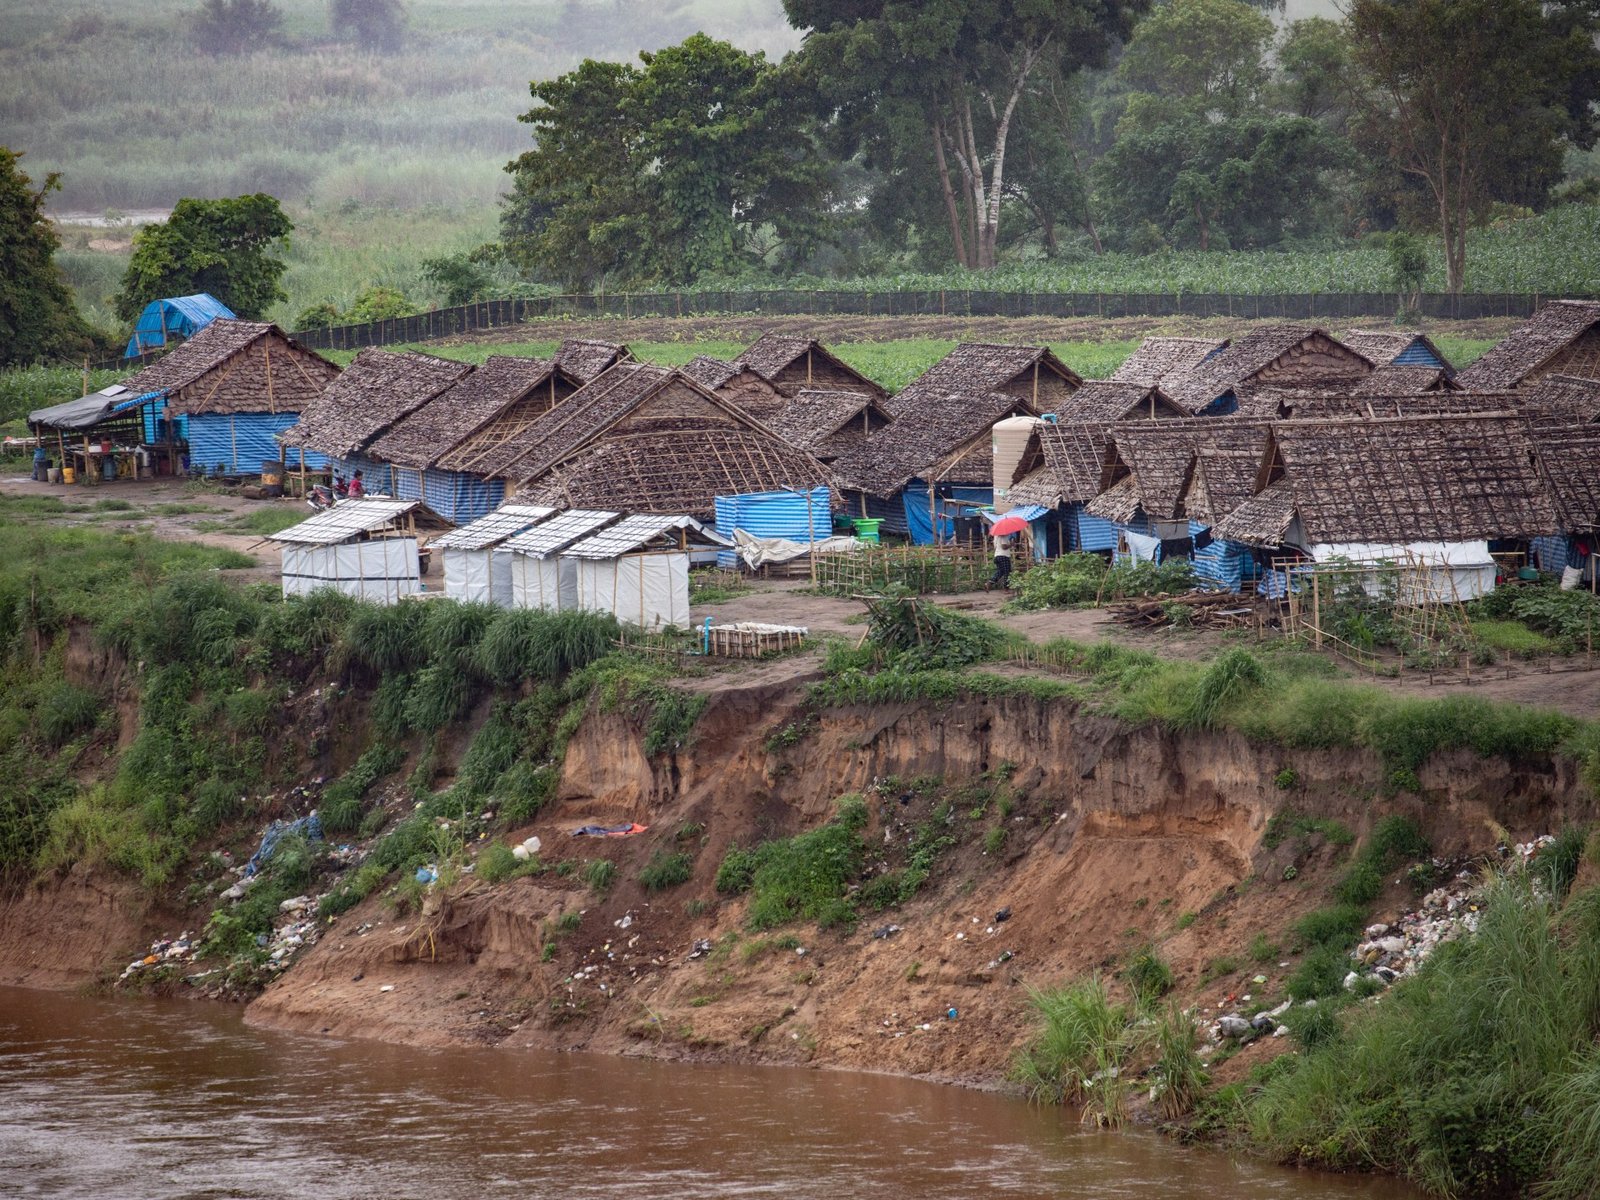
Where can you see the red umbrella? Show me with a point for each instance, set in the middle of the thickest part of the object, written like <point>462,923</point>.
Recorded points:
<point>1007,525</point>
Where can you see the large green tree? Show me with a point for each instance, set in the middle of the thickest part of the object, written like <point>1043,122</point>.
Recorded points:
<point>38,319</point>
<point>225,247</point>
<point>698,160</point>
<point>933,90</point>
<point>1475,101</point>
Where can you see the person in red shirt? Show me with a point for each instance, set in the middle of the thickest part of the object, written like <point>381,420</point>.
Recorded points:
<point>357,489</point>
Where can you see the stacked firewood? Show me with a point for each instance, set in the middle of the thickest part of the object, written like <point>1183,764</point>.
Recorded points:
<point>1208,610</point>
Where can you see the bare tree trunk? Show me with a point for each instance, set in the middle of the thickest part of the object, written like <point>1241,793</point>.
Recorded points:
<point>949,196</point>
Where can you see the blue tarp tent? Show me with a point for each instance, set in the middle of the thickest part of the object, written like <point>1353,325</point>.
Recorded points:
<point>178,316</point>
<point>919,520</point>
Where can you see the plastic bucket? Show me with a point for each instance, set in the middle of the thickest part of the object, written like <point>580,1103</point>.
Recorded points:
<point>69,475</point>
<point>867,528</point>
<point>53,474</point>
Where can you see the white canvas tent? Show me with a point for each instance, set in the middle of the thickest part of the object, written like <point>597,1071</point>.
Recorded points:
<point>638,569</point>
<point>472,570</point>
<point>363,548</point>
<point>538,578</point>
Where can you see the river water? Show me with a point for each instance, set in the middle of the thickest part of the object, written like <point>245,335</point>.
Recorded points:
<point>131,1099</point>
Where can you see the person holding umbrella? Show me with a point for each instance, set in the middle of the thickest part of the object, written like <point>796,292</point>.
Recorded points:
<point>1003,531</point>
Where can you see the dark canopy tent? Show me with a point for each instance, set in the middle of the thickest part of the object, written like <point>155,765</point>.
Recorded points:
<point>114,415</point>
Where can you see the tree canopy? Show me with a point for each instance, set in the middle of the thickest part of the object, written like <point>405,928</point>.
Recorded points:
<point>692,162</point>
<point>38,318</point>
<point>224,247</point>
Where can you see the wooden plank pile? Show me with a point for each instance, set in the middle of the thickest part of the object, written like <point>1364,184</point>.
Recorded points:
<point>1207,610</point>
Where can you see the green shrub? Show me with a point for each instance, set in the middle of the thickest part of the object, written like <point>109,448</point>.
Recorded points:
<point>497,863</point>
<point>340,806</point>
<point>805,877</point>
<point>1148,974</point>
<point>599,873</point>
<point>388,638</point>
<point>531,643</point>
<point>1180,1075</point>
<point>1234,675</point>
<point>64,711</point>
<point>666,870</point>
<point>1316,1026</point>
<point>1338,926</point>
<point>1082,1034</point>
<point>1556,865</point>
<point>1320,973</point>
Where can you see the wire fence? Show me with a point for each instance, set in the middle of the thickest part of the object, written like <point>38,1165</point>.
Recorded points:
<point>1308,306</point>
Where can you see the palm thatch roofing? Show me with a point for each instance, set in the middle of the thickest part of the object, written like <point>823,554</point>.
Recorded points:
<point>733,381</point>
<point>1568,457</point>
<point>792,363</point>
<point>1160,358</point>
<point>585,360</point>
<point>1392,380</point>
<point>1148,464</point>
<point>421,438</point>
<point>1383,346</point>
<point>1564,398</point>
<point>237,367</point>
<point>943,438</point>
<point>375,391</point>
<point>1263,519</point>
<point>1279,355</point>
<point>1397,480</point>
<point>1029,373</point>
<point>1072,463</point>
<point>828,423</point>
<point>1114,400</point>
<point>1221,481</point>
<point>1527,348</point>
<point>1354,402</point>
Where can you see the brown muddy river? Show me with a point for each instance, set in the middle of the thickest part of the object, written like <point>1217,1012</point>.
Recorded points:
<point>140,1099</point>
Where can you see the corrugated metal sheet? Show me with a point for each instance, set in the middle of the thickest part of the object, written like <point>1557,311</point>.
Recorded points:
<point>243,441</point>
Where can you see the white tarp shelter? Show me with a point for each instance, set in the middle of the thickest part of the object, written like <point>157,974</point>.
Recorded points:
<point>538,578</point>
<point>472,570</point>
<point>1423,573</point>
<point>363,548</point>
<point>638,569</point>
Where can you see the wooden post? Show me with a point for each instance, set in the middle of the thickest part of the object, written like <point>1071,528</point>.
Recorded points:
<point>811,538</point>
<point>1316,609</point>
<point>86,375</point>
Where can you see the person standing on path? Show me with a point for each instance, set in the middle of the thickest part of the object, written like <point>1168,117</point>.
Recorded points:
<point>1002,564</point>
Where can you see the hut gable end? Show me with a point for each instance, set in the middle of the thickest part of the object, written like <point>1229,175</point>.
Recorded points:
<point>232,367</point>
<point>1558,339</point>
<point>792,364</point>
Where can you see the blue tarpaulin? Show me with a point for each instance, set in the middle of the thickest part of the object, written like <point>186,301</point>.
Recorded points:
<point>178,316</point>
<point>788,515</point>
<point>920,521</point>
<point>242,441</point>
<point>1090,533</point>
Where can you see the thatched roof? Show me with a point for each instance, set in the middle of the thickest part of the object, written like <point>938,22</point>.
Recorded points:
<point>1353,402</point>
<point>422,437</point>
<point>1159,358</point>
<point>375,391</point>
<point>943,438</point>
<point>828,423</point>
<point>1030,373</point>
<point>586,412</point>
<point>1391,380</point>
<point>1263,519</point>
<point>1074,463</point>
<point>741,384</point>
<point>1385,346</point>
<point>792,363</point>
<point>1568,458</point>
<point>1278,355</point>
<point>1528,347</point>
<point>1155,459</point>
<point>237,367</point>
<point>1222,480</point>
<point>1398,480</point>
<point>1563,398</point>
<point>585,360</point>
<point>1111,400</point>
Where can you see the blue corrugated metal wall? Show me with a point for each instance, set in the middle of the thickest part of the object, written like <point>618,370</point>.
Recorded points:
<point>151,413</point>
<point>243,441</point>
<point>454,495</point>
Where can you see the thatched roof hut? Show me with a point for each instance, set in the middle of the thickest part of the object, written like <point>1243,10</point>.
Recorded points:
<point>375,391</point>
<point>1277,355</point>
<point>1148,464</point>
<point>1566,399</point>
<point>1359,403</point>
<point>1395,481</point>
<point>745,386</point>
<point>1568,457</point>
<point>1392,380</point>
<point>1032,374</point>
<point>1222,479</point>
<point>941,438</point>
<point>584,360</point>
<point>829,424</point>
<point>550,388</point>
<point>422,437</point>
<point>1160,358</point>
<point>1562,338</point>
<point>1113,400</point>
<point>791,364</point>
<point>1398,348</point>
<point>649,439</point>
<point>237,367</point>
<point>1063,467</point>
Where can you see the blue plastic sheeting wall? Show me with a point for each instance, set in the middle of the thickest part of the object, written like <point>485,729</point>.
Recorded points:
<point>774,515</point>
<point>243,441</point>
<point>1417,355</point>
<point>453,495</point>
<point>1554,554</point>
<point>891,512</point>
<point>919,521</point>
<point>1090,533</point>
<point>1224,564</point>
<point>177,316</point>
<point>152,436</point>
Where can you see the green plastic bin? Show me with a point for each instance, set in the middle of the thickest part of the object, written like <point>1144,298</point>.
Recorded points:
<point>867,528</point>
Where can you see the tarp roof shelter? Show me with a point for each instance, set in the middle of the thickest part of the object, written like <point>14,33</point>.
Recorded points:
<point>176,316</point>
<point>89,411</point>
<point>539,579</point>
<point>363,548</point>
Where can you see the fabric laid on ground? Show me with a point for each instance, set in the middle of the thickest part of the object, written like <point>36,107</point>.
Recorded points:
<point>627,830</point>
<point>758,552</point>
